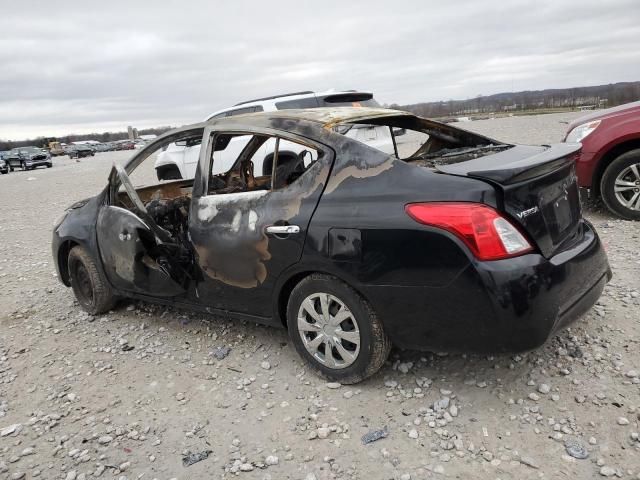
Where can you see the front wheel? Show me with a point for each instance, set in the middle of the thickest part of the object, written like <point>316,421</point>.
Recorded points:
<point>335,330</point>
<point>91,290</point>
<point>620,185</point>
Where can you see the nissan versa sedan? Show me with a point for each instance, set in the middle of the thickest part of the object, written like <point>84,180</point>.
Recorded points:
<point>453,242</point>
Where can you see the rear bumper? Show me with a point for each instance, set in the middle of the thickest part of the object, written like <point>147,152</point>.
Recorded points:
<point>506,305</point>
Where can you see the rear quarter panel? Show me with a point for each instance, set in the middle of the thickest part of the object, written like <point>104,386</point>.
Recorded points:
<point>365,199</point>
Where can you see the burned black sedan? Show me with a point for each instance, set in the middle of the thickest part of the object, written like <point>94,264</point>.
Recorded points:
<point>448,241</point>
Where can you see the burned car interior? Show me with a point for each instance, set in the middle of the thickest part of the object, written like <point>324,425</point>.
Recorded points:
<point>241,177</point>
<point>164,206</point>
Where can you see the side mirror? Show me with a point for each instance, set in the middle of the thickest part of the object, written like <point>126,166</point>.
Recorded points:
<point>399,131</point>
<point>181,143</point>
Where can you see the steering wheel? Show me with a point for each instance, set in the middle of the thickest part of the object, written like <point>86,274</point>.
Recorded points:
<point>129,189</point>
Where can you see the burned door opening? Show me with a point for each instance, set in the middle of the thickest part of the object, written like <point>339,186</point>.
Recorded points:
<point>142,231</point>
<point>245,229</point>
<point>133,258</point>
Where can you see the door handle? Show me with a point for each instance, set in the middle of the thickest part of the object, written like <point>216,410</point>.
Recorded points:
<point>282,229</point>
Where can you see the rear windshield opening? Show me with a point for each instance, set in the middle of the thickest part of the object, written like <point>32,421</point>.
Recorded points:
<point>420,141</point>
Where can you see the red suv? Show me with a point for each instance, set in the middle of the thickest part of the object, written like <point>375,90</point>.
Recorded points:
<point>609,163</point>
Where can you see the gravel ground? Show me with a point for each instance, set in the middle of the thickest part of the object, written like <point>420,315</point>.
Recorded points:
<point>129,394</point>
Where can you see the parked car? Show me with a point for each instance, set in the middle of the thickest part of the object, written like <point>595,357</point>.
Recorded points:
<point>465,244</point>
<point>80,151</point>
<point>29,158</point>
<point>4,164</point>
<point>100,147</point>
<point>180,160</point>
<point>609,162</point>
<point>55,149</point>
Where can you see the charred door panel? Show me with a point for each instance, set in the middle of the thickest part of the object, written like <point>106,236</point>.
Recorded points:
<point>239,255</point>
<point>124,241</point>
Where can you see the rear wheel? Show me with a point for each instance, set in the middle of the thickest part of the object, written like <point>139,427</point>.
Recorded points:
<point>92,292</point>
<point>620,185</point>
<point>335,330</point>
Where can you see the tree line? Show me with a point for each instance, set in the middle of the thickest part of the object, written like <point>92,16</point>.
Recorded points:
<point>599,96</point>
<point>103,137</point>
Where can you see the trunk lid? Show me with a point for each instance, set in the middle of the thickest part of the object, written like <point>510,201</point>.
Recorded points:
<point>538,189</point>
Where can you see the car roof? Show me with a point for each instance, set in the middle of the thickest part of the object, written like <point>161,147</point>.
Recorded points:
<point>326,116</point>
<point>272,100</point>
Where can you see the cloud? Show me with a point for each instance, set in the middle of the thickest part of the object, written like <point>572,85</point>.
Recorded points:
<point>90,66</point>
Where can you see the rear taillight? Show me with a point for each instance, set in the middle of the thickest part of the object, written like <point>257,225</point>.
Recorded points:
<point>488,234</point>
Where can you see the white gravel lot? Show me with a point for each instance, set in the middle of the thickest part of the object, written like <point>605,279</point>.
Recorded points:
<point>77,402</point>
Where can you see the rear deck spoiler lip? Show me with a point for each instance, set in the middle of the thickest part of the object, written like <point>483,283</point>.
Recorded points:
<point>516,164</point>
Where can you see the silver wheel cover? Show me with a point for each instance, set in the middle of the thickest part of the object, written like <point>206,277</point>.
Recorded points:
<point>627,187</point>
<point>329,330</point>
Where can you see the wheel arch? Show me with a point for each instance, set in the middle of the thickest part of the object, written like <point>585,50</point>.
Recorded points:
<point>290,281</point>
<point>63,263</point>
<point>609,156</point>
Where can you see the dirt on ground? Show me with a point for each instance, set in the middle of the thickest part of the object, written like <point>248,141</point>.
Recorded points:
<point>157,393</point>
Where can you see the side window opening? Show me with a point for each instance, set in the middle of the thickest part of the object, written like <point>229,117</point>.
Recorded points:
<point>245,163</point>
<point>166,201</point>
<point>144,176</point>
<point>400,142</point>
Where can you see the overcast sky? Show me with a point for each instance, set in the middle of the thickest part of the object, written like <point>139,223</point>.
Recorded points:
<point>84,66</point>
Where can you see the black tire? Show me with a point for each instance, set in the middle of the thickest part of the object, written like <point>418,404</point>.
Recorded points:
<point>374,343</point>
<point>91,290</point>
<point>607,186</point>
<point>49,165</point>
